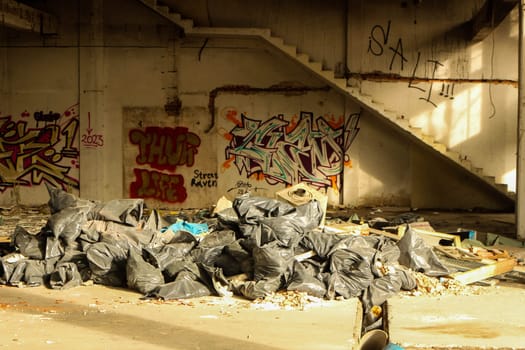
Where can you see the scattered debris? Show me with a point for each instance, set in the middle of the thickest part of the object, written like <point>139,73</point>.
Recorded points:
<point>287,300</point>
<point>432,286</point>
<point>279,253</point>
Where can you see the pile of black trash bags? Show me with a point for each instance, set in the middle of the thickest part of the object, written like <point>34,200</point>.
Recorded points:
<point>113,244</point>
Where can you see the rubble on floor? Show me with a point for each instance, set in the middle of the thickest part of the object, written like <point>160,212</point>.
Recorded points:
<point>283,252</point>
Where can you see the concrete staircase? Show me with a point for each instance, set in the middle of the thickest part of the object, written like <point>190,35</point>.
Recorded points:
<point>341,85</point>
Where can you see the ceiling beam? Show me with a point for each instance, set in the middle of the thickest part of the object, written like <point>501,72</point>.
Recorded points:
<point>22,17</point>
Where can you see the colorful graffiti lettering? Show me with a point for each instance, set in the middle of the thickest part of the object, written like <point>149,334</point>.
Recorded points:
<point>165,148</point>
<point>312,151</point>
<point>29,156</point>
<point>153,184</point>
<point>201,179</point>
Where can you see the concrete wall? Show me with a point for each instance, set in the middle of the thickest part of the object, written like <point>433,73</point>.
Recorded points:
<point>146,112</point>
<point>462,93</point>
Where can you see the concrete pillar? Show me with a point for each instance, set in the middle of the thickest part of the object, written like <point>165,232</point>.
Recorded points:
<point>3,69</point>
<point>91,98</point>
<point>520,174</point>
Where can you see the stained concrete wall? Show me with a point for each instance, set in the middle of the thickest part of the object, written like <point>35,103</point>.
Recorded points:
<point>182,121</point>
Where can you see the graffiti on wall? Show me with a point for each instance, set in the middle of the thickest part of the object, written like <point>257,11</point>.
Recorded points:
<point>203,179</point>
<point>380,43</point>
<point>309,149</point>
<point>163,149</point>
<point>41,150</point>
<point>91,139</point>
<point>242,187</point>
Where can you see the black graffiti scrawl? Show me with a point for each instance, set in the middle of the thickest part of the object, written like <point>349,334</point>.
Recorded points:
<point>312,151</point>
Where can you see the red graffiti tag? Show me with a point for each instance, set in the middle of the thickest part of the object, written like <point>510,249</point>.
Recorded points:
<point>160,186</point>
<point>165,148</point>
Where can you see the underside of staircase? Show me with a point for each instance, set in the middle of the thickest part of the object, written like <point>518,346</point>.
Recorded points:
<point>343,86</point>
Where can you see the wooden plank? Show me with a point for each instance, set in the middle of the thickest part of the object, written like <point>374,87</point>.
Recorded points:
<point>384,233</point>
<point>5,239</point>
<point>485,272</point>
<point>454,238</point>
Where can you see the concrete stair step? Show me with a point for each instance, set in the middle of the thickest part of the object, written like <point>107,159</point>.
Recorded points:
<point>441,148</point>
<point>490,179</point>
<point>315,66</point>
<point>289,49</point>
<point>502,187</point>
<point>455,156</point>
<point>466,163</point>
<point>163,9</point>
<point>303,58</point>
<point>276,41</point>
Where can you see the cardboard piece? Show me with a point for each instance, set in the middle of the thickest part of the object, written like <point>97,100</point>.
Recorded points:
<point>301,194</point>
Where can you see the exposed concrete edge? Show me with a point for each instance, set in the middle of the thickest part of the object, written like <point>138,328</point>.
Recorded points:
<point>22,17</point>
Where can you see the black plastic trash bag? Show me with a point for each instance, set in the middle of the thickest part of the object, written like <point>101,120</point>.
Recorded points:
<point>142,276</point>
<point>384,287</point>
<point>66,224</point>
<point>266,220</point>
<point>306,281</point>
<point>90,233</point>
<point>79,258</point>
<point>171,271</point>
<point>242,257</point>
<point>107,262</point>
<point>155,221</point>
<point>163,256</point>
<point>250,209</point>
<point>29,245</point>
<point>350,275</point>
<point>37,271</point>
<point>257,289</point>
<point>387,254</point>
<point>228,219</point>
<point>185,286</point>
<point>65,276</point>
<point>60,199</point>
<point>272,261</point>
<point>321,243</point>
<point>54,248</point>
<point>416,255</point>
<point>217,238</point>
<point>13,267</point>
<point>124,211</point>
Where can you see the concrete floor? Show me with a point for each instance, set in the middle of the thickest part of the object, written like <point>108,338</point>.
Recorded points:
<point>492,320</point>
<point>98,317</point>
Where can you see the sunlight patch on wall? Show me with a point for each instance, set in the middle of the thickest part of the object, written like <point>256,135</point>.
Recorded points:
<point>421,121</point>
<point>509,178</point>
<point>466,116</point>
<point>476,58</point>
<point>439,122</point>
<point>514,27</point>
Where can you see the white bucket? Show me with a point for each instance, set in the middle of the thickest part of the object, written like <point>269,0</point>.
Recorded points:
<point>375,339</point>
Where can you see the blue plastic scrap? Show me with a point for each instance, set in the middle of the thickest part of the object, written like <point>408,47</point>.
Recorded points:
<point>193,228</point>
